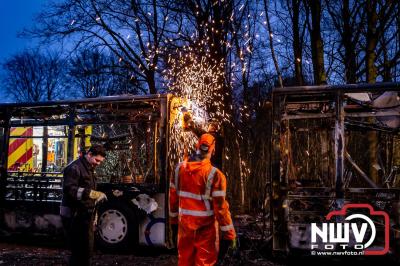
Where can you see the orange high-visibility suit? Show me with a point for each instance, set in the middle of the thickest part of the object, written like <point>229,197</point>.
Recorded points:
<point>197,201</point>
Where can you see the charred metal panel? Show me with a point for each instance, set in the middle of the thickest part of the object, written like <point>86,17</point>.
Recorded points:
<point>35,187</point>
<point>71,135</point>
<point>28,195</point>
<point>33,218</point>
<point>339,145</point>
<point>278,183</point>
<point>4,157</point>
<point>304,209</point>
<point>46,223</point>
<point>344,120</point>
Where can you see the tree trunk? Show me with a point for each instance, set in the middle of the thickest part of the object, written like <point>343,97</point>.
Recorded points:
<point>387,67</point>
<point>349,47</point>
<point>371,74</point>
<point>317,46</point>
<point>151,81</point>
<point>271,44</point>
<point>372,41</point>
<point>297,48</point>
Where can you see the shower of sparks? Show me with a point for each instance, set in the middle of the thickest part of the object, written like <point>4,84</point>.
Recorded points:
<point>198,79</point>
<point>193,74</point>
<point>182,142</point>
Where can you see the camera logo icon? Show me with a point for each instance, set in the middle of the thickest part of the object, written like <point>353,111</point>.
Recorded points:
<point>355,231</point>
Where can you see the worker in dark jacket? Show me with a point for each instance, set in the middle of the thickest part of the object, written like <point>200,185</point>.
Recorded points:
<point>78,203</point>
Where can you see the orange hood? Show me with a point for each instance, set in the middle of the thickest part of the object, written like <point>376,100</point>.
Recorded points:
<point>195,167</point>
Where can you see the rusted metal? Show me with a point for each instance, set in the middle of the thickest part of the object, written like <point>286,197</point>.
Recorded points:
<point>30,197</point>
<point>278,183</point>
<point>330,115</point>
<point>98,100</point>
<point>71,134</point>
<point>4,156</point>
<point>360,171</point>
<point>339,145</point>
<point>345,88</point>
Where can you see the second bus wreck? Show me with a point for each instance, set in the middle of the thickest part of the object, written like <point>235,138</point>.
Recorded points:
<point>332,146</point>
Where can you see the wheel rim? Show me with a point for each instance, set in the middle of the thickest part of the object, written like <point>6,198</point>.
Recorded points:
<point>113,226</point>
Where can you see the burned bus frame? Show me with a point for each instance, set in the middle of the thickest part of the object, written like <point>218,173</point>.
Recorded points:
<point>71,114</point>
<point>310,204</point>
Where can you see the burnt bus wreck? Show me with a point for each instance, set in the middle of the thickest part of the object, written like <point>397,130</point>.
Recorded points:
<point>39,139</point>
<point>332,146</point>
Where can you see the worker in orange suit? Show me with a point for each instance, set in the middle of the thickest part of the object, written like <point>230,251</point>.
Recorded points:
<point>197,202</point>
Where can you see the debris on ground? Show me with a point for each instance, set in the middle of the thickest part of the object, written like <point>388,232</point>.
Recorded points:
<point>24,255</point>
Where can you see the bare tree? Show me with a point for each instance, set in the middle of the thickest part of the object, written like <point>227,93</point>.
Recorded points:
<point>295,8</point>
<point>379,16</point>
<point>95,74</point>
<point>348,19</point>
<point>317,45</point>
<point>31,77</point>
<point>88,72</point>
<point>270,34</point>
<point>388,52</point>
<point>132,30</point>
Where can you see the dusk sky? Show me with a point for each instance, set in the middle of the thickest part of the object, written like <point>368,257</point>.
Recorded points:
<point>14,16</point>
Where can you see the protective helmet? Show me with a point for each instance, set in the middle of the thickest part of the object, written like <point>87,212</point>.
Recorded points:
<point>206,143</point>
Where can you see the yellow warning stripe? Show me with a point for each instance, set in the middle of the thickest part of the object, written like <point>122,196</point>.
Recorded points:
<point>19,152</point>
<point>17,132</point>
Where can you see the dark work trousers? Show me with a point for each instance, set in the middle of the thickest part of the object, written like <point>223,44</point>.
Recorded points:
<point>80,237</point>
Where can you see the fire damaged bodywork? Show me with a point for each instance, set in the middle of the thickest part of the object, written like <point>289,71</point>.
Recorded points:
<point>39,139</point>
<point>332,146</point>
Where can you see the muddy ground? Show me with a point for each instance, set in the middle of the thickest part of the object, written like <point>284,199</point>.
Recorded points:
<point>41,250</point>
<point>254,249</point>
<point>12,253</point>
<point>23,254</point>
<point>20,254</point>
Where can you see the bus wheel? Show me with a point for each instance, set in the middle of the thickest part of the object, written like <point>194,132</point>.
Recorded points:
<point>117,227</point>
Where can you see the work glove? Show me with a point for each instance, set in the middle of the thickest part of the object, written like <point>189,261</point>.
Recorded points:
<point>224,246</point>
<point>187,117</point>
<point>97,196</point>
<point>234,244</point>
<point>187,121</point>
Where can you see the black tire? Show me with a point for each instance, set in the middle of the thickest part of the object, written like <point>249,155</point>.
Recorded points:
<point>117,227</point>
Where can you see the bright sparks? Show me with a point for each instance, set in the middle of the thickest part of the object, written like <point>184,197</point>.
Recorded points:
<point>196,77</point>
